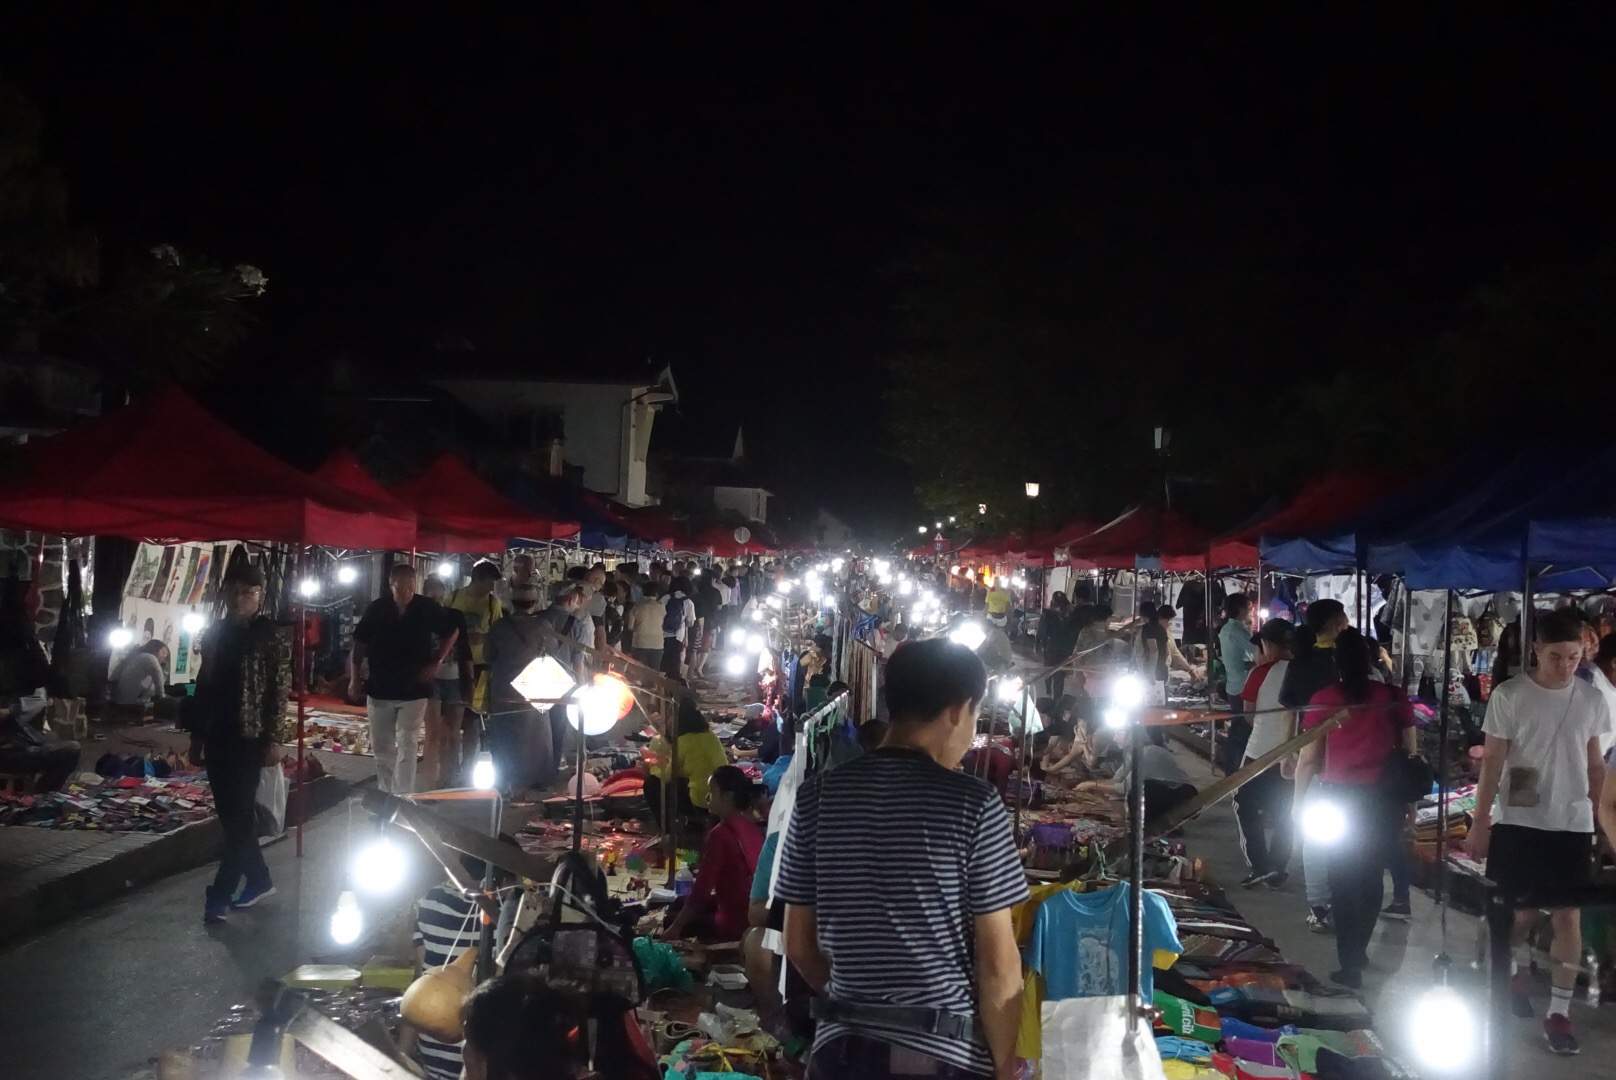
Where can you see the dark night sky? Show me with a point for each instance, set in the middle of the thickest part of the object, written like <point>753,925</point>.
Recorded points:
<point>738,197</point>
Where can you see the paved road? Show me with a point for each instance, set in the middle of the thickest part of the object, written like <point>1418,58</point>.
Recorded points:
<point>95,997</point>
<point>1401,954</point>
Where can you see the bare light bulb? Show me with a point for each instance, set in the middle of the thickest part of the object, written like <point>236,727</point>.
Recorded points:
<point>308,587</point>
<point>482,773</point>
<point>1442,1030</point>
<point>347,921</point>
<point>445,570</point>
<point>120,637</point>
<point>969,634</point>
<point>1324,821</point>
<point>347,575</point>
<point>192,622</point>
<point>735,665</point>
<point>1128,691</point>
<point>1007,689</point>
<point>378,867</point>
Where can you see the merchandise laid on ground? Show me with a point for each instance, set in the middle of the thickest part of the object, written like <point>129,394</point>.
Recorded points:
<point>134,798</point>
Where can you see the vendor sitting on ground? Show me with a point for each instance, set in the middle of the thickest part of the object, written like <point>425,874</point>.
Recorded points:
<point>140,677</point>
<point>1166,784</point>
<point>716,909</point>
<point>700,753</point>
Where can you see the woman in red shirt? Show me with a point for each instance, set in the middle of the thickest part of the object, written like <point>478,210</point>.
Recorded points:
<point>1349,765</point>
<point>716,908</point>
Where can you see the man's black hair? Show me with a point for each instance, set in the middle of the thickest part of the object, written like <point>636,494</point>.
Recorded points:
<point>1558,626</point>
<point>1236,605</point>
<point>1147,609</point>
<point>1165,612</point>
<point>1321,613</point>
<point>1084,593</point>
<point>925,677</point>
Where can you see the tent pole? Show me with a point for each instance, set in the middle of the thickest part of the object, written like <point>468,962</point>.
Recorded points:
<point>1527,621</point>
<point>1408,614</point>
<point>1442,760</point>
<point>300,686</point>
<point>1136,876</point>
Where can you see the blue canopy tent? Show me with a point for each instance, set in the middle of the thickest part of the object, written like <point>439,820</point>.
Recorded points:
<point>596,531</point>
<point>1342,545</point>
<point>1481,535</point>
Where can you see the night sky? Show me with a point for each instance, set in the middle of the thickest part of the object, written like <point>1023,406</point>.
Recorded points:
<point>743,197</point>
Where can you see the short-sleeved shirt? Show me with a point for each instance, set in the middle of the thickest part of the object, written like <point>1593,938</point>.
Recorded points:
<point>1234,641</point>
<point>480,613</point>
<point>399,646</point>
<point>1355,753</point>
<point>1269,727</point>
<point>898,856</point>
<point>1080,942</point>
<point>1155,631</point>
<point>1545,782</point>
<point>723,886</point>
<point>445,928</point>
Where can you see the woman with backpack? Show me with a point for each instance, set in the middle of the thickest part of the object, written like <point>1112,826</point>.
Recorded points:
<point>678,619</point>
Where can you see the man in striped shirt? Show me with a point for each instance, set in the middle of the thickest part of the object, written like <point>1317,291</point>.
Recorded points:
<point>446,926</point>
<point>898,874</point>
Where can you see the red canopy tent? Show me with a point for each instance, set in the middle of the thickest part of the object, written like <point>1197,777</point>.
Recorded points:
<point>343,469</point>
<point>1332,498</point>
<point>720,541</point>
<point>459,511</point>
<point>1144,533</point>
<point>167,468</point>
<point>645,522</point>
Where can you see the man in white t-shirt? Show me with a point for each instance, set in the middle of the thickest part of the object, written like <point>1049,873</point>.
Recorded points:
<point>1263,805</point>
<point>1544,768</point>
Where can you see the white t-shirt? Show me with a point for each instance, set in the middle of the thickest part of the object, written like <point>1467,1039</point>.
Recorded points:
<point>1545,781</point>
<point>690,615</point>
<point>1268,729</point>
<point>1607,738</point>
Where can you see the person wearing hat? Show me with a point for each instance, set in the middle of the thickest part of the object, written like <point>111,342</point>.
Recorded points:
<point>1263,805</point>
<point>241,691</point>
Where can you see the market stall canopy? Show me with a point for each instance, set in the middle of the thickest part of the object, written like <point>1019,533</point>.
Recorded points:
<point>166,468</point>
<point>1144,538</point>
<point>343,469</point>
<point>1481,536</point>
<point>1322,503</point>
<point>546,495</point>
<point>1339,545</point>
<point>719,541</point>
<point>459,511</point>
<point>644,523</point>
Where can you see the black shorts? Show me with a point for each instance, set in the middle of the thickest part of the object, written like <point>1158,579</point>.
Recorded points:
<point>1529,862</point>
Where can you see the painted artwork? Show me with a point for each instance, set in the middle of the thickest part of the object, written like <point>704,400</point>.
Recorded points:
<point>148,557</point>
<point>159,583</point>
<point>199,581</point>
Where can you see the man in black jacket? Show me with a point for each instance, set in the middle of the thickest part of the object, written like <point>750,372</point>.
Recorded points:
<point>241,692</point>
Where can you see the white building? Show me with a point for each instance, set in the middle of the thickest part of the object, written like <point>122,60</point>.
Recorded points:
<point>603,417</point>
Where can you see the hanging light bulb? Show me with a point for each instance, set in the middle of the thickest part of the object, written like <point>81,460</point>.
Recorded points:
<point>737,636</point>
<point>1324,821</point>
<point>347,575</point>
<point>923,530</point>
<point>1264,614</point>
<point>192,622</point>
<point>1443,1030</point>
<point>755,643</point>
<point>1128,691</point>
<point>347,921</point>
<point>1114,717</point>
<point>378,867</point>
<point>830,600</point>
<point>905,587</point>
<point>735,665</point>
<point>446,570</point>
<point>776,602</point>
<point>757,615</point>
<point>596,708</point>
<point>120,637</point>
<point>837,563</point>
<point>1006,689</point>
<point>482,773</point>
<point>308,587</point>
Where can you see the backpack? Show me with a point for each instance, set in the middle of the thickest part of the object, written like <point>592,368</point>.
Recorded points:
<point>673,619</point>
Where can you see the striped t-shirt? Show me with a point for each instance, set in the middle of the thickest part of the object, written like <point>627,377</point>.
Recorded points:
<point>446,926</point>
<point>898,856</point>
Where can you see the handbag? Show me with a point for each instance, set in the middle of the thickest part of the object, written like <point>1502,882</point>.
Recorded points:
<point>1405,777</point>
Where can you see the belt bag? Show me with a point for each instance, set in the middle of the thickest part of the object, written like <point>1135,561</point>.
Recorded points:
<point>941,1022</point>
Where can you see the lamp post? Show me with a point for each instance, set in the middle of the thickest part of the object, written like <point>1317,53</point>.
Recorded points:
<point>1032,502</point>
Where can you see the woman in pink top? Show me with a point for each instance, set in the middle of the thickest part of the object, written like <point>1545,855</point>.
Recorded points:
<point>716,909</point>
<point>1349,765</point>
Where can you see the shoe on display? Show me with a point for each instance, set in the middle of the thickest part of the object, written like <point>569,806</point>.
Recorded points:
<point>1520,994</point>
<point>251,895</point>
<point>1557,1032</point>
<point>1397,909</point>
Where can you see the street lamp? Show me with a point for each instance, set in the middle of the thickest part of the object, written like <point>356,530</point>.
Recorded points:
<point>981,509</point>
<point>1032,489</point>
<point>923,530</point>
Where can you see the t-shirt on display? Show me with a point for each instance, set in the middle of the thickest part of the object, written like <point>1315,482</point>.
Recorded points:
<point>1080,942</point>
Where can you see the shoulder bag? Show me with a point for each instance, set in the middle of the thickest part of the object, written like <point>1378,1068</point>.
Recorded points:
<point>1405,777</point>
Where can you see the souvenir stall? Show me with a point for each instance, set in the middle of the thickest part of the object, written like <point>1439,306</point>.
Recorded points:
<point>95,480</point>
